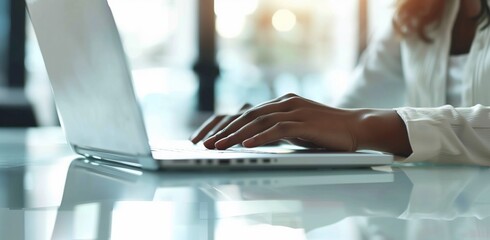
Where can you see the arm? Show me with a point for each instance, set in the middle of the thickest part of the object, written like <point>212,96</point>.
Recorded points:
<point>444,135</point>
<point>307,123</point>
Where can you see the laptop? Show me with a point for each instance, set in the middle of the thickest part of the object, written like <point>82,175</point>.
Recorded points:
<point>98,109</point>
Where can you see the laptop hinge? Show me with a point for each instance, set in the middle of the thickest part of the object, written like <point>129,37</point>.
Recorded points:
<point>143,161</point>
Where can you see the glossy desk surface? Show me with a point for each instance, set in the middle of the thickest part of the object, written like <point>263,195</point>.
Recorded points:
<point>46,192</point>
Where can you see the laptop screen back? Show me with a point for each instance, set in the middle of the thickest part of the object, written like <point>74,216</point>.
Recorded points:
<point>89,75</point>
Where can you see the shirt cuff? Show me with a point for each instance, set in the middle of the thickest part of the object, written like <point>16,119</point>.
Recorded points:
<point>422,136</point>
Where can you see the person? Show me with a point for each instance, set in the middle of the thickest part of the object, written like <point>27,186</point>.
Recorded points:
<point>430,74</point>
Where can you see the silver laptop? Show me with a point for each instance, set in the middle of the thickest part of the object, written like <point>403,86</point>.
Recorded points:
<point>93,91</point>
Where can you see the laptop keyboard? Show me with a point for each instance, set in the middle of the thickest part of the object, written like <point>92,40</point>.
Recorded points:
<point>197,149</point>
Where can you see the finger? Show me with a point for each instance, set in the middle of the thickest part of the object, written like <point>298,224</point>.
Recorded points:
<point>245,107</point>
<point>205,128</point>
<point>227,120</point>
<point>222,124</point>
<point>283,104</point>
<point>215,124</point>
<point>244,119</point>
<point>256,126</point>
<point>277,132</point>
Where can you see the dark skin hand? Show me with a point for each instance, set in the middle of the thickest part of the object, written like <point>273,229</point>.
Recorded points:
<point>309,124</point>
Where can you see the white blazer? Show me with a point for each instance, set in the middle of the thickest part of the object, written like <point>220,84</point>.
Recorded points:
<point>410,75</point>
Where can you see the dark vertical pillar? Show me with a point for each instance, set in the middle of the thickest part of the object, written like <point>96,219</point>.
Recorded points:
<point>4,33</point>
<point>363,26</point>
<point>15,109</point>
<point>16,55</point>
<point>206,66</point>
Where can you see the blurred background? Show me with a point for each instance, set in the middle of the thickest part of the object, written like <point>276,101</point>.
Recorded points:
<point>192,57</point>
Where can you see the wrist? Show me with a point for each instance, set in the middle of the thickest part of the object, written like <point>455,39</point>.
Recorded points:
<point>359,127</point>
<point>380,130</point>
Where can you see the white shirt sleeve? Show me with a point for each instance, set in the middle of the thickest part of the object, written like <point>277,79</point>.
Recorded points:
<point>448,135</point>
<point>378,81</point>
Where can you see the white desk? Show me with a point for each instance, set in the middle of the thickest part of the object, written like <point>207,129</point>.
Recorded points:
<point>46,194</point>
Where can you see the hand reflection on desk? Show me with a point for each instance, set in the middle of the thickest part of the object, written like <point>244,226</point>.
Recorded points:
<point>439,202</point>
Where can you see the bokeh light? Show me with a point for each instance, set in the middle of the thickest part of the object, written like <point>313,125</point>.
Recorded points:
<point>284,20</point>
<point>231,16</point>
<point>235,7</point>
<point>230,26</point>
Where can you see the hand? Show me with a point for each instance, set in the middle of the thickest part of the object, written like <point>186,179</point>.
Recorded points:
<point>292,118</point>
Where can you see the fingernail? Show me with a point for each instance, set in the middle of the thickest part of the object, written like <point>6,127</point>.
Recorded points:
<point>193,136</point>
<point>221,144</point>
<point>209,143</point>
<point>249,142</point>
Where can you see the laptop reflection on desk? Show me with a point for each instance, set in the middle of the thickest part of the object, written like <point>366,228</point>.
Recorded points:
<point>99,198</point>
